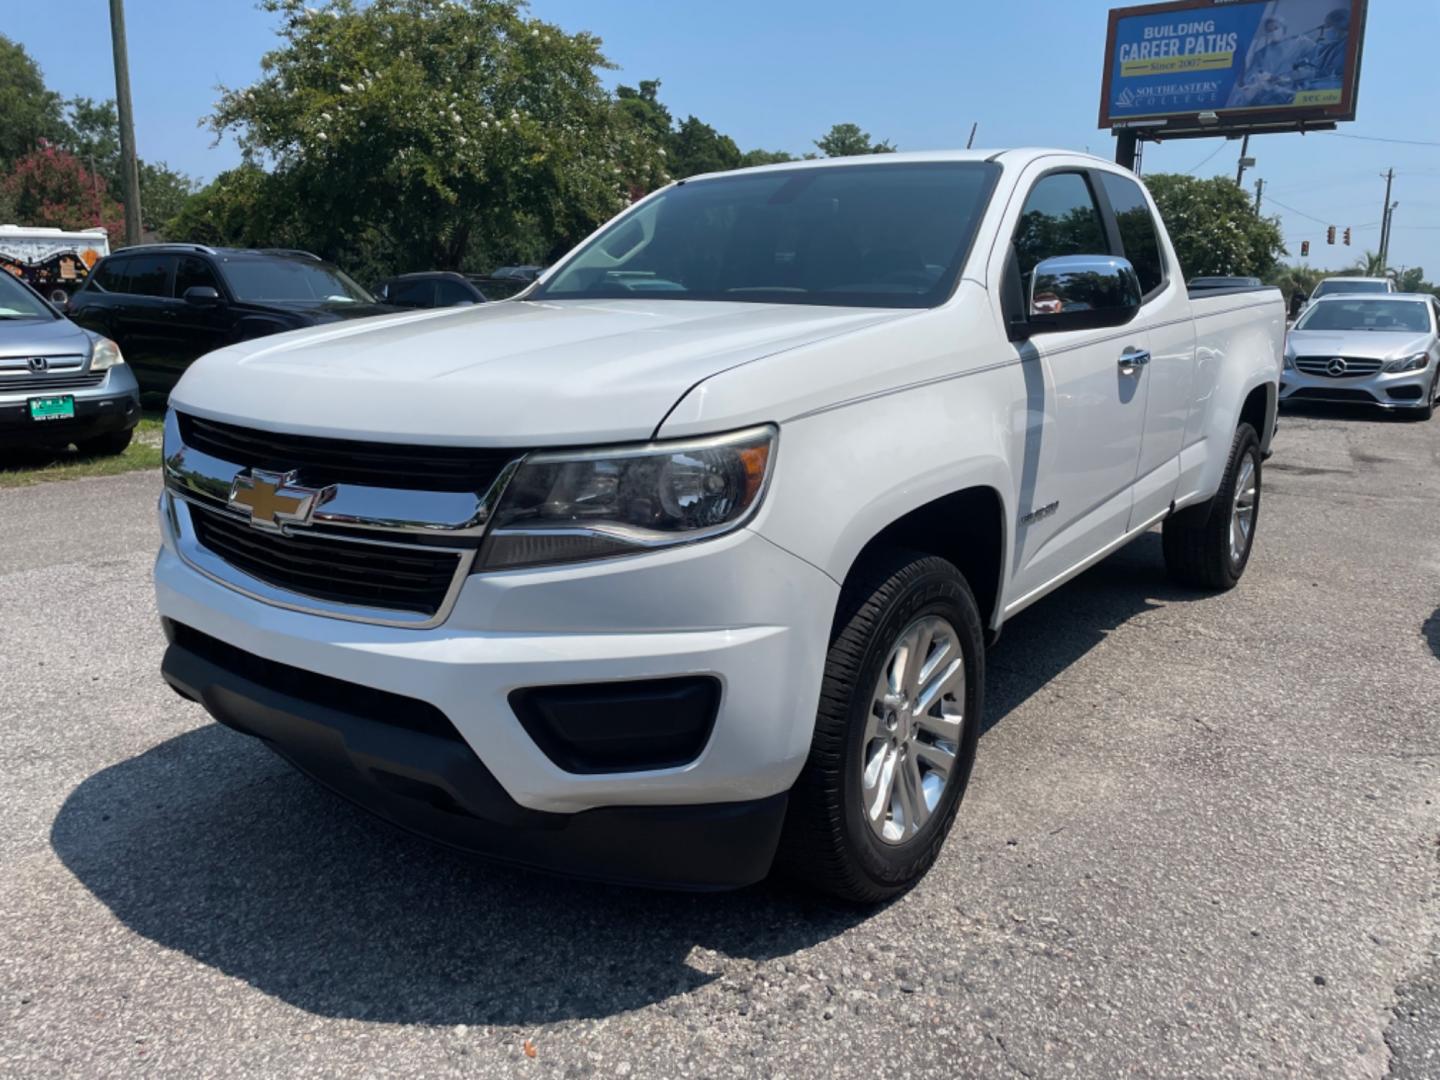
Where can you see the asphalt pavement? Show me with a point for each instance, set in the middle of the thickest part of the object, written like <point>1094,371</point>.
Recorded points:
<point>1201,840</point>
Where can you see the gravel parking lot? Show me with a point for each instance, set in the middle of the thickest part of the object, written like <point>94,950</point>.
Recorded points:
<point>1201,840</point>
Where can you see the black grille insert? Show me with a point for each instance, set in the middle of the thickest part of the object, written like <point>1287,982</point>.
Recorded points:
<point>348,461</point>
<point>53,380</point>
<point>332,569</point>
<point>380,706</point>
<point>1325,393</point>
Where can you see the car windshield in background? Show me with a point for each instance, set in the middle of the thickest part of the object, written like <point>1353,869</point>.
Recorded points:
<point>884,235</point>
<point>291,279</point>
<point>1332,288</point>
<point>18,302</point>
<point>1408,316</point>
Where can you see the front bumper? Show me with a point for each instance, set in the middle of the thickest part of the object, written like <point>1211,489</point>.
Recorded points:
<point>1398,390</point>
<point>114,405</point>
<point>738,609</point>
<point>434,785</point>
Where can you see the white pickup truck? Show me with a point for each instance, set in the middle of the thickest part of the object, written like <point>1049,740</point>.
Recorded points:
<point>684,562</point>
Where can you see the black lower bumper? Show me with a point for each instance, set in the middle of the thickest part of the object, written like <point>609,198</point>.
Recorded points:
<point>93,416</point>
<point>393,757</point>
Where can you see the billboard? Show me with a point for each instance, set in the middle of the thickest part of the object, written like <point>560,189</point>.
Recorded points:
<point>1250,62</point>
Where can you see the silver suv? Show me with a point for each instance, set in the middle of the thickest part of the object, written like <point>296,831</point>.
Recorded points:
<point>60,384</point>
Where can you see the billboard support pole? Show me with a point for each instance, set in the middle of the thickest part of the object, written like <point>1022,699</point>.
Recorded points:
<point>1125,141</point>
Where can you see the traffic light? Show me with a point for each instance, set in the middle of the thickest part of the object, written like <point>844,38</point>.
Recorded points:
<point>1330,235</point>
<point>1304,249</point>
<point>1347,236</point>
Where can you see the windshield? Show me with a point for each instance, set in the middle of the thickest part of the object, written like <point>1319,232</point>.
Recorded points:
<point>291,279</point>
<point>1332,287</point>
<point>18,302</point>
<point>1409,316</point>
<point>884,235</point>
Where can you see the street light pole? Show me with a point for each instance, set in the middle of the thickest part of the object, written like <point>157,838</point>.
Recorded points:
<point>129,170</point>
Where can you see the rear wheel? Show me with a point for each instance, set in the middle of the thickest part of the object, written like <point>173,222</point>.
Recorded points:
<point>107,445</point>
<point>1208,546</point>
<point>895,736</point>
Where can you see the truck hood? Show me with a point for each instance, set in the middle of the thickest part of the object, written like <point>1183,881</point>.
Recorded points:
<point>1361,344</point>
<point>514,373</point>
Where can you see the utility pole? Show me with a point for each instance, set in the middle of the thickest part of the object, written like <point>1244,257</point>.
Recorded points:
<point>1244,153</point>
<point>129,170</point>
<point>1259,194</point>
<point>1385,221</point>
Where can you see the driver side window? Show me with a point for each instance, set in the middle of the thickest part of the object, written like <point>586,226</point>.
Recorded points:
<point>1060,218</point>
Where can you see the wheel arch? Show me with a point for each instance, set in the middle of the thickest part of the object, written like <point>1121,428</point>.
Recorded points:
<point>1259,409</point>
<point>966,528</point>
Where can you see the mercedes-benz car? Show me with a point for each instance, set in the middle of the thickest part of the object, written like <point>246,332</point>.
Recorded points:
<point>1369,350</point>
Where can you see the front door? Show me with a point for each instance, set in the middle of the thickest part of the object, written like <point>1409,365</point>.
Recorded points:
<point>1085,406</point>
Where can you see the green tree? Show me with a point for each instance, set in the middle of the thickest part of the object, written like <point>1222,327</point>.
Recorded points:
<point>643,108</point>
<point>1293,278</point>
<point>1369,265</point>
<point>698,148</point>
<point>764,157</point>
<point>241,207</point>
<point>29,112</point>
<point>1214,227</point>
<point>847,140</point>
<point>433,133</point>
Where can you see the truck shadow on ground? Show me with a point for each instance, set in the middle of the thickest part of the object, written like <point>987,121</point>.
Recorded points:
<point>209,845</point>
<point>1431,630</point>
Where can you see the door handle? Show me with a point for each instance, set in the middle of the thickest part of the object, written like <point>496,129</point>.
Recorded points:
<point>1132,359</point>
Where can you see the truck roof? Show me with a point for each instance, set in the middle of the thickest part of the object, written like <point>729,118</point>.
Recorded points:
<point>1019,156</point>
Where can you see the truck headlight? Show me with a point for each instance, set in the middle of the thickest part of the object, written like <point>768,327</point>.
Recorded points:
<point>1409,363</point>
<point>569,506</point>
<point>105,354</point>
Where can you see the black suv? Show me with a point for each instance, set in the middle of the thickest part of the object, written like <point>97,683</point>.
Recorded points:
<point>447,288</point>
<point>169,304</point>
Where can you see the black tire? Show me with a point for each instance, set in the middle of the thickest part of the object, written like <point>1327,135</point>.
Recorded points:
<point>107,445</point>
<point>827,843</point>
<point>1196,540</point>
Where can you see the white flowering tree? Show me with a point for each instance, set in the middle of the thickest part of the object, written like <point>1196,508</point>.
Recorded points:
<point>418,134</point>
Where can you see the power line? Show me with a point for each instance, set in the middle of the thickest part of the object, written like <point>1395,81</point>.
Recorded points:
<point>1302,213</point>
<point>1376,138</point>
<point>1208,156</point>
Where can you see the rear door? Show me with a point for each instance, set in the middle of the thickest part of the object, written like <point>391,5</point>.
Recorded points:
<point>1166,384</point>
<point>145,320</point>
<point>1085,412</point>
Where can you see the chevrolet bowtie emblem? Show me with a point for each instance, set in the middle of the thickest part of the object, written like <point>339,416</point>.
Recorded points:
<point>274,500</point>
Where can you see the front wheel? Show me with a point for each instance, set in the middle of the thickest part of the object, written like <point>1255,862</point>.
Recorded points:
<point>1208,546</point>
<point>895,735</point>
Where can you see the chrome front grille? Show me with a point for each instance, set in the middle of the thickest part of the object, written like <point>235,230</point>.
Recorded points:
<point>1355,367</point>
<point>19,375</point>
<point>354,550</point>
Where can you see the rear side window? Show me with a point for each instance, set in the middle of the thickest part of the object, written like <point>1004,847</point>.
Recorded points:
<point>412,293</point>
<point>1060,218</point>
<point>150,275</point>
<point>113,275</point>
<point>448,293</point>
<point>1138,235</point>
<point>192,272</point>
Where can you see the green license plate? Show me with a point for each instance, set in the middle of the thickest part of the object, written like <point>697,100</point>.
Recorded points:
<point>52,408</point>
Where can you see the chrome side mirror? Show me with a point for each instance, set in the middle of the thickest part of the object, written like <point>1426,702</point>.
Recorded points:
<point>1079,292</point>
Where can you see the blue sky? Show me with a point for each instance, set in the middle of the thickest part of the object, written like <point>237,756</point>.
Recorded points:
<point>777,73</point>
